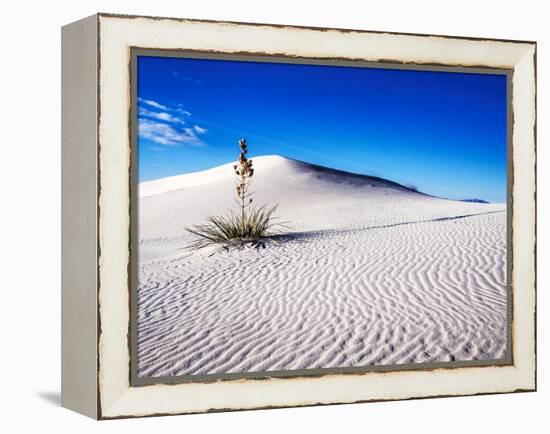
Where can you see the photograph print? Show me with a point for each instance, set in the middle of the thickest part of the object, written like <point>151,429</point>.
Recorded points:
<point>293,217</point>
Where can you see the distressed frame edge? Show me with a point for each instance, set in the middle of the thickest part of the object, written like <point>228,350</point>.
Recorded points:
<point>519,389</point>
<point>79,141</point>
<point>304,27</point>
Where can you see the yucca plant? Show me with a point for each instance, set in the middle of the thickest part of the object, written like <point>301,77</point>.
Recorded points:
<point>249,226</point>
<point>235,229</point>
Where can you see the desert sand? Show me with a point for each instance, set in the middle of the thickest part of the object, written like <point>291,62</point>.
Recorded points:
<point>369,273</point>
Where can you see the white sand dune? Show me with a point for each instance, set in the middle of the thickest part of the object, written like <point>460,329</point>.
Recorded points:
<point>371,273</point>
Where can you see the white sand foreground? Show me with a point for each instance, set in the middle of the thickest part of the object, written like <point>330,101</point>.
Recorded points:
<point>370,274</point>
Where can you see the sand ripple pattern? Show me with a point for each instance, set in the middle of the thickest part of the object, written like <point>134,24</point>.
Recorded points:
<point>398,290</point>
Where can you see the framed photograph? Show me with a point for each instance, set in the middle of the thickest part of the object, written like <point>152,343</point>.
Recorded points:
<point>262,216</point>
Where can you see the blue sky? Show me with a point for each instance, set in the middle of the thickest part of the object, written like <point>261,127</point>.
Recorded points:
<point>443,132</point>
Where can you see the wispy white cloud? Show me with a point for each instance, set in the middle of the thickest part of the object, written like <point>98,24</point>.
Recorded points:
<point>181,109</point>
<point>195,130</point>
<point>165,134</point>
<point>163,124</point>
<point>153,103</point>
<point>162,116</point>
<point>184,112</point>
<point>199,130</point>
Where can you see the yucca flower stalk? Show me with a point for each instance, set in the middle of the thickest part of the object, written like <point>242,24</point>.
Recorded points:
<point>238,229</point>
<point>244,171</point>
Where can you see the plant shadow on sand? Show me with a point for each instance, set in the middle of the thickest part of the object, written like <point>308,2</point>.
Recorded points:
<point>306,236</point>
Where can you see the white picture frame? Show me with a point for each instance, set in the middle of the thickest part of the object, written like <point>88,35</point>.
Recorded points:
<point>96,213</point>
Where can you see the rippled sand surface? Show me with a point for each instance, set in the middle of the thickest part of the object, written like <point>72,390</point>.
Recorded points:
<point>369,273</point>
